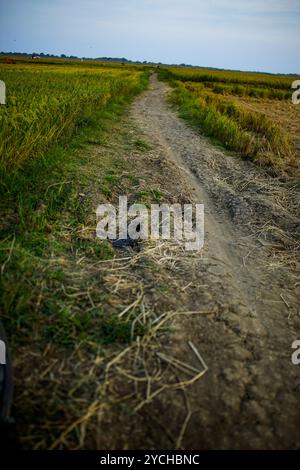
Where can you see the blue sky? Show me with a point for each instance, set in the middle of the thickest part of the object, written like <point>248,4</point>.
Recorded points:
<point>236,34</point>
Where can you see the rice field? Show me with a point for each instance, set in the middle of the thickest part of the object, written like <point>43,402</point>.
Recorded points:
<point>243,79</point>
<point>218,103</point>
<point>48,101</point>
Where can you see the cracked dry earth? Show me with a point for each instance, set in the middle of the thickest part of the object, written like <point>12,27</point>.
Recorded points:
<point>247,278</point>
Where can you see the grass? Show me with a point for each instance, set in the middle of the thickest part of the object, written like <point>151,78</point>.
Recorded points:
<point>141,144</point>
<point>226,77</point>
<point>150,196</point>
<point>47,103</point>
<point>248,90</point>
<point>252,134</point>
<point>45,295</point>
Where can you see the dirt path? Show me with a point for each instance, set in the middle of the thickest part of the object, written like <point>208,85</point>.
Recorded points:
<point>247,277</point>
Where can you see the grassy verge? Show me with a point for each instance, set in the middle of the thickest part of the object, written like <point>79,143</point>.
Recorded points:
<point>46,295</point>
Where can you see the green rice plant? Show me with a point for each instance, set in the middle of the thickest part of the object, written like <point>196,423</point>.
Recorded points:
<point>45,104</point>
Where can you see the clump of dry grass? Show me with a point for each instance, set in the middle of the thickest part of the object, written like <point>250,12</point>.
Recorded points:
<point>86,387</point>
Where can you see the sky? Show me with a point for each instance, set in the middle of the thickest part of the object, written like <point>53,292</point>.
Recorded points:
<point>232,34</point>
